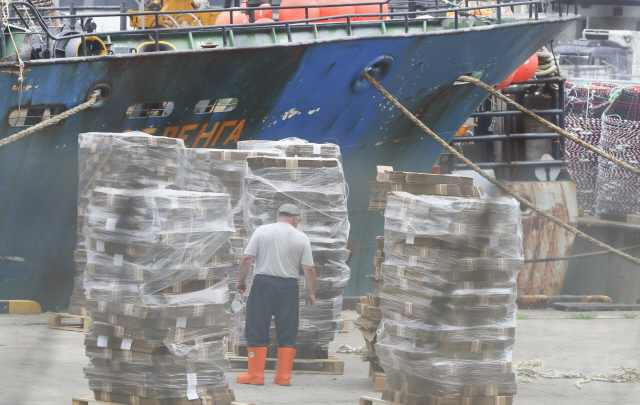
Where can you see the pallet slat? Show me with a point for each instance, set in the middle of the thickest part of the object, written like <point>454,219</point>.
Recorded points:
<point>92,400</point>
<point>377,377</point>
<point>55,322</point>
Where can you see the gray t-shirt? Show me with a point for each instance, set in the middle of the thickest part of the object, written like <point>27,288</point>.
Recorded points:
<point>279,250</point>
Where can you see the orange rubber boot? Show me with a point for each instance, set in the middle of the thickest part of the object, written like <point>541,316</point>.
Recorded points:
<point>255,370</point>
<point>285,365</point>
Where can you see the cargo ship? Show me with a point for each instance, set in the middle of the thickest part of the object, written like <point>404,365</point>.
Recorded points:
<point>215,85</point>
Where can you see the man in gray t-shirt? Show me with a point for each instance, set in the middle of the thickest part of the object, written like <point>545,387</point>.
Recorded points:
<point>279,250</point>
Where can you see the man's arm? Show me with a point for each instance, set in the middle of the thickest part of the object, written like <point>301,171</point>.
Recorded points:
<point>310,278</point>
<point>243,270</point>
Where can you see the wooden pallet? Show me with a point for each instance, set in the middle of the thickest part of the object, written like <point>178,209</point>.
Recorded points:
<point>301,353</point>
<point>92,400</point>
<point>55,322</point>
<point>377,377</point>
<point>366,400</point>
<point>332,365</point>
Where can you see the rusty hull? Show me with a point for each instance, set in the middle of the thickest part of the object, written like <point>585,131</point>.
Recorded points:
<point>543,239</point>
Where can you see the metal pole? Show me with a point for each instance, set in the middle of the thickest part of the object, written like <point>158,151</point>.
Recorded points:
<point>4,43</point>
<point>72,12</point>
<point>456,19</point>
<point>412,6</point>
<point>530,9</point>
<point>537,5</point>
<point>559,8</point>
<point>575,9</point>
<point>499,12</point>
<point>123,19</point>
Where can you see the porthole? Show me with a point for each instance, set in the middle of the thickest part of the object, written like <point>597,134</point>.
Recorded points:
<point>216,105</point>
<point>28,117</point>
<point>145,110</point>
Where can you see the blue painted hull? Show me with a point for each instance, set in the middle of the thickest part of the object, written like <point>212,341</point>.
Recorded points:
<point>38,174</point>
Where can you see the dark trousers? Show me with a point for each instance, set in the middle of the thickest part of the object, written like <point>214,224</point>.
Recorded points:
<point>277,297</point>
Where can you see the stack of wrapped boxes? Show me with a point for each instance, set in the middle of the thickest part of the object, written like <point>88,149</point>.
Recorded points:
<point>317,187</point>
<point>156,273</point>
<point>448,296</point>
<point>226,168</point>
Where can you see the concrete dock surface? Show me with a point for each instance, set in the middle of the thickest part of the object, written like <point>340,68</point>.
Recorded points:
<point>42,366</point>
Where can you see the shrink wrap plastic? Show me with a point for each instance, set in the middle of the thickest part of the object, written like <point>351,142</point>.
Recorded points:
<point>317,187</point>
<point>227,167</point>
<point>156,273</point>
<point>295,147</point>
<point>448,295</point>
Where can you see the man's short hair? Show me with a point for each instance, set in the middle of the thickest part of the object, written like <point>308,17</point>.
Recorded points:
<point>288,210</point>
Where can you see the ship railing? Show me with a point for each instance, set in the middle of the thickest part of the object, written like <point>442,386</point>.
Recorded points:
<point>510,138</point>
<point>534,7</point>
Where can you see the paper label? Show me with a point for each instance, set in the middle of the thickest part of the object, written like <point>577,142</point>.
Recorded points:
<point>317,149</point>
<point>192,393</point>
<point>126,344</point>
<point>103,341</point>
<point>111,224</point>
<point>192,379</point>
<point>100,245</point>
<point>174,203</point>
<point>181,322</point>
<point>411,238</point>
<point>117,260</point>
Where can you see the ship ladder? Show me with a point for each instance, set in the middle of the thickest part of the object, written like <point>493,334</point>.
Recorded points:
<point>499,184</point>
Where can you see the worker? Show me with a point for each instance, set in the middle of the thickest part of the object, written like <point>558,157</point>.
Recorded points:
<point>279,250</point>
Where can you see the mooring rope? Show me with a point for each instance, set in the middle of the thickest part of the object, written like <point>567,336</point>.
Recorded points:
<point>548,124</point>
<point>555,259</point>
<point>528,371</point>
<point>493,181</point>
<point>52,121</point>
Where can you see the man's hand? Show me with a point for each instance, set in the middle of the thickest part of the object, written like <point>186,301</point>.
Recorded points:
<point>241,285</point>
<point>310,301</point>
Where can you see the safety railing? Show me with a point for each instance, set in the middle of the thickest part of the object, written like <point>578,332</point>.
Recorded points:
<point>509,136</point>
<point>533,5</point>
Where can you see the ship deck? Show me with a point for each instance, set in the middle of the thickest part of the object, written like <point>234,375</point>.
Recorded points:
<point>43,366</point>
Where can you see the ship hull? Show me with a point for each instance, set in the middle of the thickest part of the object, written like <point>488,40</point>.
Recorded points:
<point>302,90</point>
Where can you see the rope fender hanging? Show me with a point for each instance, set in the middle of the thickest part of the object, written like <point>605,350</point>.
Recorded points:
<point>490,179</point>
<point>93,98</point>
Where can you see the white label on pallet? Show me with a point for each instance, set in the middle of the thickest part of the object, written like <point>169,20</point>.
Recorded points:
<point>111,224</point>
<point>103,341</point>
<point>410,238</point>
<point>181,322</point>
<point>100,245</point>
<point>117,260</point>
<point>192,393</point>
<point>192,379</point>
<point>126,344</point>
<point>317,149</point>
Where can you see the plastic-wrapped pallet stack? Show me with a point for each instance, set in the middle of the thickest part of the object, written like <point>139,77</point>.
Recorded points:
<point>619,189</point>
<point>448,296</point>
<point>584,108</point>
<point>226,168</point>
<point>318,188</point>
<point>156,275</point>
